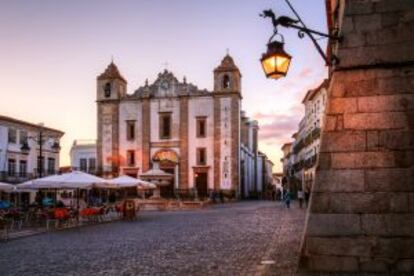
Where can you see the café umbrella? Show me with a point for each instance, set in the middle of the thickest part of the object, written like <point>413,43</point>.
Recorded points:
<point>71,180</point>
<point>125,181</point>
<point>7,188</point>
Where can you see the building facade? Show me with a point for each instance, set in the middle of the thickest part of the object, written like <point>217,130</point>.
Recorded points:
<point>22,155</point>
<point>192,133</point>
<point>307,141</point>
<point>83,156</point>
<point>361,216</point>
<point>299,157</point>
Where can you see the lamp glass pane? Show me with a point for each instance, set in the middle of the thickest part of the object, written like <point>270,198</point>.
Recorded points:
<point>282,64</point>
<point>269,65</point>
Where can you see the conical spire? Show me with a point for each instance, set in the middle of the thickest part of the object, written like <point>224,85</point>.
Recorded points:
<point>227,64</point>
<point>111,72</point>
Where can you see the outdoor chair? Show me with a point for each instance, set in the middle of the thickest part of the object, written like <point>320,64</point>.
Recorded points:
<point>15,218</point>
<point>50,218</point>
<point>4,233</point>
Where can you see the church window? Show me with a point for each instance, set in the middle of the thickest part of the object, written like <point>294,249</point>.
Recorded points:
<point>130,125</point>
<point>107,90</point>
<point>226,81</point>
<point>131,157</point>
<point>165,125</point>
<point>201,156</point>
<point>201,127</point>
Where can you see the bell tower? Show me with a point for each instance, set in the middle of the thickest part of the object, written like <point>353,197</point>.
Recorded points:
<point>227,77</point>
<point>110,84</point>
<point>227,101</point>
<point>111,88</point>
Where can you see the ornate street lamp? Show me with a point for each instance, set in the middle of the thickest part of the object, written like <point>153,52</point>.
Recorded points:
<point>276,61</point>
<point>55,147</point>
<point>40,141</point>
<point>25,149</point>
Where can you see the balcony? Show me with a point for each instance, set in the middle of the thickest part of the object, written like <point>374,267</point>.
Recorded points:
<point>315,134</point>
<point>18,177</point>
<point>15,177</point>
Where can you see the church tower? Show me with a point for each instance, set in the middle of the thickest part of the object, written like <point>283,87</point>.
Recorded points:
<point>111,88</point>
<point>227,105</point>
<point>227,77</point>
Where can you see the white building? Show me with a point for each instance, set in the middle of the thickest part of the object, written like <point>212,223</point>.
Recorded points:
<point>315,103</point>
<point>83,156</point>
<point>300,160</point>
<point>22,155</point>
<point>196,135</point>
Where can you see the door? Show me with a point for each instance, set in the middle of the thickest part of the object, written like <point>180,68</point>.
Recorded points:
<point>168,191</point>
<point>201,184</point>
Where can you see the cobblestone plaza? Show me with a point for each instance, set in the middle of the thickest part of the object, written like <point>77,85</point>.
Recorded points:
<point>229,239</point>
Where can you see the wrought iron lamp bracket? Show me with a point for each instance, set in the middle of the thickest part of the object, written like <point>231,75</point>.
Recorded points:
<point>289,22</point>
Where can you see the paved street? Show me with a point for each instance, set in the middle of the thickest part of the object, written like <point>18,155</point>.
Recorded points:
<point>229,239</point>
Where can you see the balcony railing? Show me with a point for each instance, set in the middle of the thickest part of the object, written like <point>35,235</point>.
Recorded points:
<point>19,177</point>
<point>315,134</point>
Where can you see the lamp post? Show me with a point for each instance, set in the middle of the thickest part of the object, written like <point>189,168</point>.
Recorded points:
<point>276,61</point>
<point>40,140</point>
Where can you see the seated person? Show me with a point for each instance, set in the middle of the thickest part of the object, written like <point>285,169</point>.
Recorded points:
<point>46,201</point>
<point>4,204</point>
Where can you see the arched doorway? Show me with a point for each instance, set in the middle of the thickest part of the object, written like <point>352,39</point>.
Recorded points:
<point>168,161</point>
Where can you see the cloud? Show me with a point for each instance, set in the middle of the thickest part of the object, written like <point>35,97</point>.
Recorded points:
<point>276,128</point>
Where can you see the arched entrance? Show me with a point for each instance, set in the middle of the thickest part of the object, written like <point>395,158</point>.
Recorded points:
<point>168,161</point>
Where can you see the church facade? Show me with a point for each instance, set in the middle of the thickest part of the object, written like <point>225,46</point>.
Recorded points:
<point>193,134</point>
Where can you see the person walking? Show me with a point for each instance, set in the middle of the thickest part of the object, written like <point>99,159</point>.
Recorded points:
<point>300,198</point>
<point>287,198</point>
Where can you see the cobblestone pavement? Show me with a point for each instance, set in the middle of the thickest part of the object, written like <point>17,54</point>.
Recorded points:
<point>228,239</point>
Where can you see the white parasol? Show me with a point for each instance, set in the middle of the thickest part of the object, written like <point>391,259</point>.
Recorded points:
<point>71,180</point>
<point>124,181</point>
<point>7,188</point>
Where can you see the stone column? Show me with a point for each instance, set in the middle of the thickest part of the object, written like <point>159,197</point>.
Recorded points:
<point>235,142</point>
<point>217,143</point>
<point>361,212</point>
<point>146,134</point>
<point>184,169</point>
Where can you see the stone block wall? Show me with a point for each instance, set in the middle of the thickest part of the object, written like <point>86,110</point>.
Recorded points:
<point>361,216</point>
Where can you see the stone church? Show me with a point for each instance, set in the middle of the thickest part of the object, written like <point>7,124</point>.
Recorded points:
<point>191,133</point>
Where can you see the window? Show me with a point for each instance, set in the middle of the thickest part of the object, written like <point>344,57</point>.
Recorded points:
<point>12,136</point>
<point>92,164</point>
<point>51,165</point>
<point>107,90</point>
<point>131,157</point>
<point>201,156</point>
<point>23,137</point>
<point>165,125</point>
<point>83,164</point>
<point>23,168</point>
<point>201,127</point>
<point>130,130</point>
<point>226,81</point>
<point>11,167</point>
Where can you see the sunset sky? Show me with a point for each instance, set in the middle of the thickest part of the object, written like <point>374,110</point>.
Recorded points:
<point>51,52</point>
